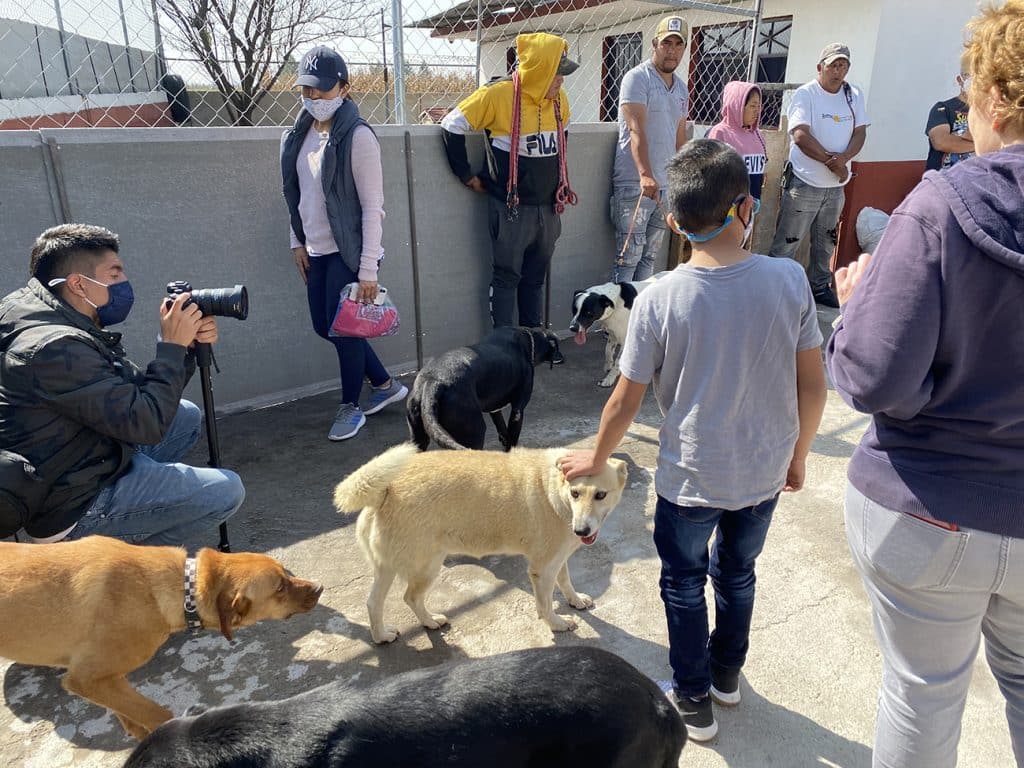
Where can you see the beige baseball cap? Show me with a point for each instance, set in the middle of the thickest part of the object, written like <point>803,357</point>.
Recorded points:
<point>834,51</point>
<point>672,25</point>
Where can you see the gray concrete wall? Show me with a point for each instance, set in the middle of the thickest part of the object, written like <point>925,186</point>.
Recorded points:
<point>33,66</point>
<point>204,205</point>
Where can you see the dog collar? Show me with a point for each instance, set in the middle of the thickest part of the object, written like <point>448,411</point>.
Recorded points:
<point>192,620</point>
<point>533,351</point>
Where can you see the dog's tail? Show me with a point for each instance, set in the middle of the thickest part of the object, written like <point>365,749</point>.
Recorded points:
<point>367,486</point>
<point>434,428</point>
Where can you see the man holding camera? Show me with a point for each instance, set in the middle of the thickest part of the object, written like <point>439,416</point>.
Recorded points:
<point>70,396</point>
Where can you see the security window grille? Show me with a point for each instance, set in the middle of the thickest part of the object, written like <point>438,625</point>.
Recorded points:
<point>621,53</point>
<point>720,55</point>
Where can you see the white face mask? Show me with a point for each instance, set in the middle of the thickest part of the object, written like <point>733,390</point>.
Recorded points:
<point>323,109</point>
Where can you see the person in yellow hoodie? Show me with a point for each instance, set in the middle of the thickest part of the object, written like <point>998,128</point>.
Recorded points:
<point>528,189</point>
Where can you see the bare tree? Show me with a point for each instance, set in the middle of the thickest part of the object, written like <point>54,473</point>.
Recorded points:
<point>246,45</point>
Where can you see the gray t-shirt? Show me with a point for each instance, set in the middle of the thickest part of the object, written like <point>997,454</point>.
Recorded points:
<point>720,347</point>
<point>665,108</point>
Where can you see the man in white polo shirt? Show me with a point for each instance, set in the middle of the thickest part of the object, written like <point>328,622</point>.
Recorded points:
<point>828,125</point>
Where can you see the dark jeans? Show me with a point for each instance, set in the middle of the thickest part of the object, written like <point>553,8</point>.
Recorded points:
<point>521,251</point>
<point>326,277</point>
<point>681,535</point>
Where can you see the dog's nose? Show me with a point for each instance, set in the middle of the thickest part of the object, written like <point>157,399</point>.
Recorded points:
<point>584,531</point>
<point>574,326</point>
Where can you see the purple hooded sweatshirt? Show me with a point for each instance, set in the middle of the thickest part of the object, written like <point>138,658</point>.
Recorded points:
<point>931,344</point>
<point>748,141</point>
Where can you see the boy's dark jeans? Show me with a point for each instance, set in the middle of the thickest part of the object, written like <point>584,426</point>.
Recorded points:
<point>681,535</point>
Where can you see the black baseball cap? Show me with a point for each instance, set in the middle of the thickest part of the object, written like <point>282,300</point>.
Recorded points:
<point>566,66</point>
<point>322,68</point>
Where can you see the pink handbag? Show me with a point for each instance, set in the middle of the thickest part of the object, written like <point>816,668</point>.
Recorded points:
<point>365,321</point>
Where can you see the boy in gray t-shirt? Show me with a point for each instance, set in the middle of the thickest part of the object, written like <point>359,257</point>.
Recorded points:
<point>731,343</point>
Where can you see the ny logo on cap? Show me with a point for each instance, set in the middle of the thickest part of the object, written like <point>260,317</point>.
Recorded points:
<point>311,62</point>
<point>675,25</point>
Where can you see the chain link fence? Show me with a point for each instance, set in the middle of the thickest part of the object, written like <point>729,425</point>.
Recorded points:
<point>70,63</point>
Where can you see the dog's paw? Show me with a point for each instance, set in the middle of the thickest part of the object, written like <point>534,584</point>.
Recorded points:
<point>608,381</point>
<point>581,602</point>
<point>558,624</point>
<point>437,620</point>
<point>387,635</point>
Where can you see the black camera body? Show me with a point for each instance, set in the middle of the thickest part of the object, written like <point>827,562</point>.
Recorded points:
<point>219,302</point>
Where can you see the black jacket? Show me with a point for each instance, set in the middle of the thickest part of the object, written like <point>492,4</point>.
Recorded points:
<point>62,378</point>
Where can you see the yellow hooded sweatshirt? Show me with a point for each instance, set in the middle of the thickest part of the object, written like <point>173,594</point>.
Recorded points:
<point>489,109</point>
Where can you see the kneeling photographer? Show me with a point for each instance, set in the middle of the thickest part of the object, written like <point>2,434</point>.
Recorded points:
<point>105,435</point>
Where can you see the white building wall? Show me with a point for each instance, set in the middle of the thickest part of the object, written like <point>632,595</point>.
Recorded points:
<point>917,59</point>
<point>905,55</point>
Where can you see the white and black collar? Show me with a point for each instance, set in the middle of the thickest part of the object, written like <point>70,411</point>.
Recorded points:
<point>192,620</point>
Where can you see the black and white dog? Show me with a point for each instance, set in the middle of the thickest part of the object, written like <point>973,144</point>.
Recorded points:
<point>538,708</point>
<point>608,305</point>
<point>454,390</point>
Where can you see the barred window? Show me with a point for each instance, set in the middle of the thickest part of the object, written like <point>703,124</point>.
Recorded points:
<point>620,53</point>
<point>720,54</point>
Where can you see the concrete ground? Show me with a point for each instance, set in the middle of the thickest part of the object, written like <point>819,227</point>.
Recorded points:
<point>810,682</point>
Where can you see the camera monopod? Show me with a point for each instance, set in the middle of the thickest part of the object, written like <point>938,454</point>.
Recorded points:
<point>204,356</point>
<point>220,302</point>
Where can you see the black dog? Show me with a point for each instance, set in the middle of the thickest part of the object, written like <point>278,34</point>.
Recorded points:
<point>539,708</point>
<point>453,391</point>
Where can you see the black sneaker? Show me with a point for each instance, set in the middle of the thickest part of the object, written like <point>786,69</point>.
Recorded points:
<point>725,685</point>
<point>826,297</point>
<point>557,358</point>
<point>698,716</point>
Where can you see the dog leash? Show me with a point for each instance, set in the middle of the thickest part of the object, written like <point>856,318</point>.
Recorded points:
<point>620,260</point>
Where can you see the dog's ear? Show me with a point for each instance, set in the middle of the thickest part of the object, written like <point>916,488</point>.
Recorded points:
<point>576,294</point>
<point>628,292</point>
<point>622,469</point>
<point>231,609</point>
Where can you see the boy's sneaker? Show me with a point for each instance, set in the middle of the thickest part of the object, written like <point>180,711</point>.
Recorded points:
<point>697,714</point>
<point>725,685</point>
<point>379,398</point>
<point>347,422</point>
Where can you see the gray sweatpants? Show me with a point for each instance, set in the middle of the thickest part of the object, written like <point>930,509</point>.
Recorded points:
<point>934,594</point>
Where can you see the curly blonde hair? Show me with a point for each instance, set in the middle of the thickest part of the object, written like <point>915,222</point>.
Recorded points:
<point>994,57</point>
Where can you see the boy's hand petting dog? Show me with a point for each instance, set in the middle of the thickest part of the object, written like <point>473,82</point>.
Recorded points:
<point>579,464</point>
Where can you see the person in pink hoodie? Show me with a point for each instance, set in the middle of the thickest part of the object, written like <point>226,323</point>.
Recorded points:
<point>741,113</point>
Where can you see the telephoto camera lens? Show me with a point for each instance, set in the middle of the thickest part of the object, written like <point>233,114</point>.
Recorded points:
<point>223,302</point>
<point>219,302</point>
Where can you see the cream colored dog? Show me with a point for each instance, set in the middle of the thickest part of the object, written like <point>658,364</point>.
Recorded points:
<point>419,508</point>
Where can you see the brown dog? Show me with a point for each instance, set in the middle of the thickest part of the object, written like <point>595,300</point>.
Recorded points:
<point>101,608</point>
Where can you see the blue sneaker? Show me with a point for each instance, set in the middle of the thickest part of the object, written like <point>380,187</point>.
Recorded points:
<point>347,422</point>
<point>379,398</point>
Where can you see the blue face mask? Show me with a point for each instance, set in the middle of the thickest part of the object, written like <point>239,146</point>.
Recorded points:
<point>118,305</point>
<point>703,238</point>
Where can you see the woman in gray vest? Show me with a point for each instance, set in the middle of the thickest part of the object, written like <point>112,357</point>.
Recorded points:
<point>334,187</point>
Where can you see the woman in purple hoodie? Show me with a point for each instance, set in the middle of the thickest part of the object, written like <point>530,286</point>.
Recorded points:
<point>931,344</point>
<point>741,114</point>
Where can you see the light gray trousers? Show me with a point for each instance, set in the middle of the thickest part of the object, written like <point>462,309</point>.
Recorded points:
<point>934,594</point>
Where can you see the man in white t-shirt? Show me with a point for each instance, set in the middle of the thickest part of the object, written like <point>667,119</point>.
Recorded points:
<point>828,125</point>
